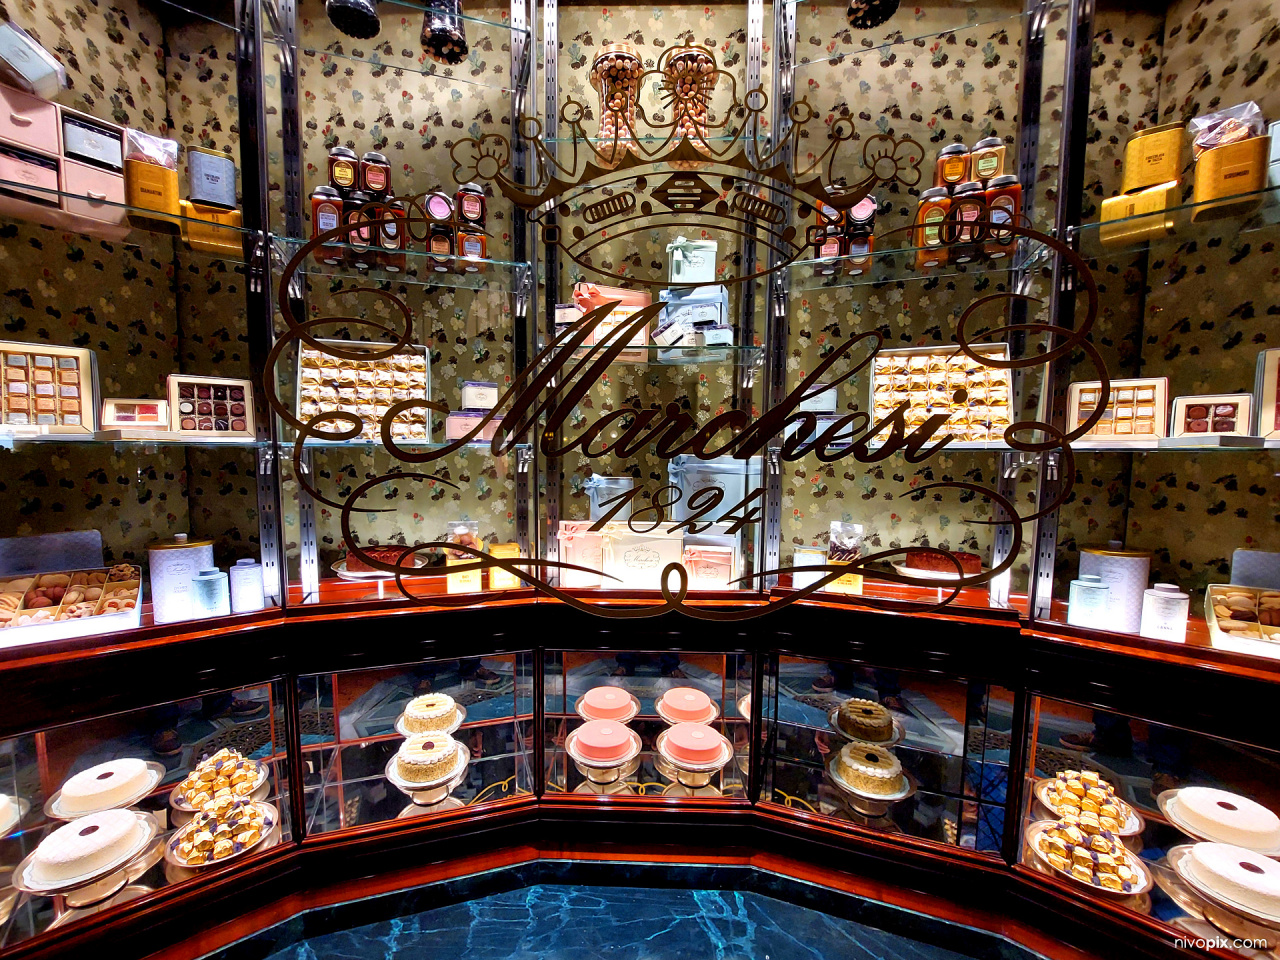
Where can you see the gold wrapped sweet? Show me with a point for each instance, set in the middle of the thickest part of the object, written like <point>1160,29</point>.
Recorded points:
<point>202,842</point>
<point>223,848</point>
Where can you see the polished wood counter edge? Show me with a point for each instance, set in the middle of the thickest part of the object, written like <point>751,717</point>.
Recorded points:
<point>1197,652</point>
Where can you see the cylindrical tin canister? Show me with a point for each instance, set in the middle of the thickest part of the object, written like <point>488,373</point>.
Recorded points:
<point>173,565</point>
<point>1164,613</point>
<point>1087,602</point>
<point>1153,156</point>
<point>247,594</point>
<point>213,177</point>
<point>1125,573</point>
<point>209,594</point>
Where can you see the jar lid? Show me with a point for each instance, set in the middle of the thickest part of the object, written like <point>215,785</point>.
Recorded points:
<point>623,48</point>
<point>374,157</point>
<point>439,206</point>
<point>969,186</point>
<point>1008,180</point>
<point>247,562</point>
<point>1113,549</point>
<point>864,209</point>
<point>324,190</point>
<point>934,192</point>
<point>1169,589</point>
<point>180,541</point>
<point>953,150</point>
<point>1092,579</point>
<point>359,196</point>
<point>472,187</point>
<point>343,153</point>
<point>211,574</point>
<point>988,142</point>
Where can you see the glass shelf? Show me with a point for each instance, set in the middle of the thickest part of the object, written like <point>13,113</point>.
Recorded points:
<point>418,271</point>
<point>418,7</point>
<point>221,12</point>
<point>423,67</point>
<point>899,263</point>
<point>683,356</point>
<point>10,439</point>
<point>1182,225</point>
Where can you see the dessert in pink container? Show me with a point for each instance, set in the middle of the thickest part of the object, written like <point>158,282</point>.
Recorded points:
<point>695,744</point>
<point>686,705</point>
<point>607,703</point>
<point>603,741</point>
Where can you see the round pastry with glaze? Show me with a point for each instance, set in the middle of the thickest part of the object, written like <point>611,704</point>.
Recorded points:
<point>426,757</point>
<point>85,846</point>
<point>603,741</point>
<point>431,711</point>
<point>870,769</point>
<point>694,743</point>
<point>1239,875</point>
<point>606,703</point>
<point>1228,818</point>
<point>686,705</point>
<point>104,786</point>
<point>866,720</point>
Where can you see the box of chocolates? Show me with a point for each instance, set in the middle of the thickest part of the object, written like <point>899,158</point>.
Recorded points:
<point>1267,391</point>
<point>210,408</point>
<point>1243,619</point>
<point>366,388</point>
<point>937,380</point>
<point>1227,414</point>
<point>47,390</point>
<point>1136,410</point>
<point>74,603</point>
<point>135,414</point>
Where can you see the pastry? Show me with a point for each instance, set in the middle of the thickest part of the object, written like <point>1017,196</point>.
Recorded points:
<point>429,712</point>
<point>223,828</point>
<point>921,559</point>
<point>607,703</point>
<point>1237,874</point>
<point>1084,798</point>
<point>225,774</point>
<point>86,846</point>
<point>391,555</point>
<point>1096,858</point>
<point>1227,818</point>
<point>104,786</point>
<point>603,741</point>
<point>870,769</point>
<point>425,757</point>
<point>865,720</point>
<point>694,743</point>
<point>687,705</point>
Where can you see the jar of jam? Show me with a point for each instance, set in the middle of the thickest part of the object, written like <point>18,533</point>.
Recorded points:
<point>860,250</point>
<point>1004,209</point>
<point>968,204</point>
<point>469,202</point>
<point>356,211</point>
<point>439,210</point>
<point>326,215</point>
<point>953,166</point>
<point>930,232</point>
<point>375,175</point>
<point>472,249</point>
<point>440,242</point>
<point>830,250</point>
<point>861,218</point>
<point>344,170</point>
<point>392,236</point>
<point>987,159</point>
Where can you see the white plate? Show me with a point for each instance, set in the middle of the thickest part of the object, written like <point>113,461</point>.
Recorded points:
<point>895,738</point>
<point>713,713</point>
<point>148,828</point>
<point>340,568</point>
<point>179,803</point>
<point>1134,863</point>
<point>909,785</point>
<point>1133,824</point>
<point>53,808</point>
<point>941,575</point>
<point>271,821</point>
<point>20,809</point>
<point>726,754</point>
<point>1168,804</point>
<point>635,708</point>
<point>1218,898</point>
<point>459,718</point>
<point>407,786</point>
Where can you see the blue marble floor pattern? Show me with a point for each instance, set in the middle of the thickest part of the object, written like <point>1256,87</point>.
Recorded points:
<point>548,922</point>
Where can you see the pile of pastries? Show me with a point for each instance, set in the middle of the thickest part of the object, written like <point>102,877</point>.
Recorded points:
<point>1091,856</point>
<point>366,388</point>
<point>1084,799</point>
<point>974,397</point>
<point>1242,610</point>
<point>224,827</point>
<point>75,595</point>
<point>225,775</point>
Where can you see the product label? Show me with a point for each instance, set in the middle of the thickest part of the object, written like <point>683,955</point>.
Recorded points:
<point>440,245</point>
<point>473,247</point>
<point>830,248</point>
<point>968,213</point>
<point>933,227</point>
<point>344,175</point>
<point>987,165</point>
<point>375,178</point>
<point>471,207</point>
<point>953,169</point>
<point>1001,215</point>
<point>326,217</point>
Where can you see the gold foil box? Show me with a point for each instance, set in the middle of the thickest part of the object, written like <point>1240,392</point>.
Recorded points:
<point>1139,216</point>
<point>1153,156</point>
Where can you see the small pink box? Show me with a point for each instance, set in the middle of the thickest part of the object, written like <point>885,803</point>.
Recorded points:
<point>92,193</point>
<point>28,121</point>
<point>461,422</point>
<point>586,549</point>
<point>22,167</point>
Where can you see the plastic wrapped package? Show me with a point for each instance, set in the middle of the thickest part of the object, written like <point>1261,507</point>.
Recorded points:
<point>1241,122</point>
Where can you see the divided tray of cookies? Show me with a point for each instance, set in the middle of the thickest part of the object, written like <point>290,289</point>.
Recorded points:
<point>73,602</point>
<point>1236,613</point>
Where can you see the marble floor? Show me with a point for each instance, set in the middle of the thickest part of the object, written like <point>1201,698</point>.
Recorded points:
<point>582,922</point>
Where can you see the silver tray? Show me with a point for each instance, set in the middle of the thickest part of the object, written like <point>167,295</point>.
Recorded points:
<point>270,823</point>
<point>726,754</point>
<point>712,715</point>
<point>425,809</point>
<point>1229,921</point>
<point>459,718</point>
<point>340,568</point>
<point>1145,881</point>
<point>744,706</point>
<point>635,708</point>
<point>1133,824</point>
<point>176,874</point>
<point>20,881</point>
<point>435,791</point>
<point>1167,802</point>
<point>604,772</point>
<point>942,576</point>
<point>178,802</point>
<point>53,810</point>
<point>908,789</point>
<point>1215,898</point>
<point>895,738</point>
<point>123,895</point>
<point>21,809</point>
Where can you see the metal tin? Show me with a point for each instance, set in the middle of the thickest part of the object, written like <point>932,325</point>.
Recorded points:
<point>210,596</point>
<point>1125,572</point>
<point>1228,171</point>
<point>213,177</point>
<point>1139,216</point>
<point>1153,156</point>
<point>87,139</point>
<point>1087,602</point>
<point>173,565</point>
<point>247,593</point>
<point>1164,613</point>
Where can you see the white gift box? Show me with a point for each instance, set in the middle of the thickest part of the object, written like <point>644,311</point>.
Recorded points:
<point>638,559</point>
<point>580,546</point>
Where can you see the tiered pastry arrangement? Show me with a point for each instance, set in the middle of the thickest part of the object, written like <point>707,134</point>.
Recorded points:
<point>693,750</point>
<point>430,763</point>
<point>1084,799</point>
<point>936,381</point>
<point>1091,855</point>
<point>227,773</point>
<point>222,793</point>
<point>865,767</point>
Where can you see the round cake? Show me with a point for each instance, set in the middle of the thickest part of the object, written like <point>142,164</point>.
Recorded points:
<point>105,786</point>
<point>431,711</point>
<point>607,703</point>
<point>603,741</point>
<point>85,846</point>
<point>1228,818</point>
<point>870,769</point>
<point>687,705</point>
<point>426,757</point>
<point>1240,875</point>
<point>866,720</point>
<point>932,560</point>
<point>694,743</point>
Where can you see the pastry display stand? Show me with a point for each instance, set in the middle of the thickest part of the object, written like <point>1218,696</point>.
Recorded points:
<point>1167,801</point>
<point>1234,922</point>
<point>431,793</point>
<point>376,577</point>
<point>174,872</point>
<point>633,712</point>
<point>605,772</point>
<point>155,773</point>
<point>691,776</point>
<point>870,805</point>
<point>894,739</point>
<point>1140,888</point>
<point>93,888</point>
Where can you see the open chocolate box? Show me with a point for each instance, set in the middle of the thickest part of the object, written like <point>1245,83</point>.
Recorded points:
<point>71,603</point>
<point>1216,415</point>
<point>1136,411</point>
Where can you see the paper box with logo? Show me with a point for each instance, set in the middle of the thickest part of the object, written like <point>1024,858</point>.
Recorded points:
<point>581,546</point>
<point>712,558</point>
<point>638,559</point>
<point>590,296</point>
<point>692,261</point>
